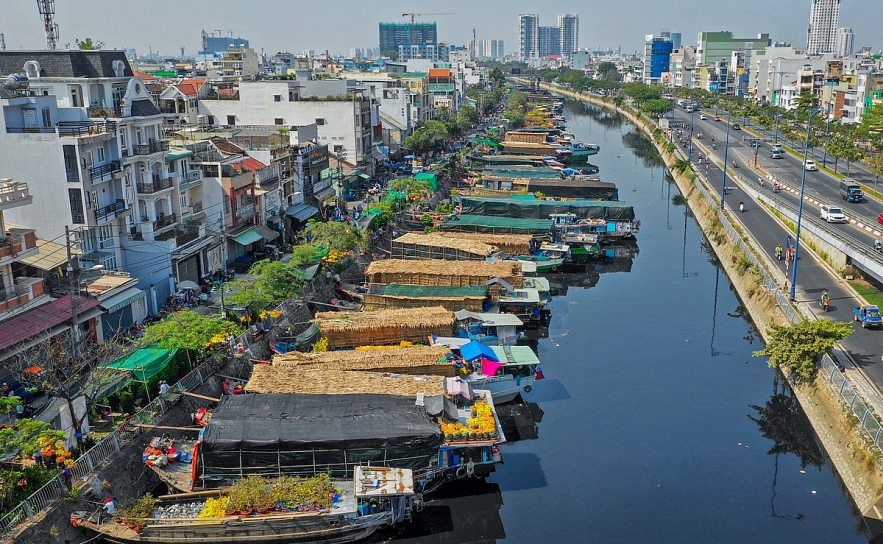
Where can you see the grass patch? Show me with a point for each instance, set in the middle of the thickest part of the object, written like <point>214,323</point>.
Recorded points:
<point>873,296</point>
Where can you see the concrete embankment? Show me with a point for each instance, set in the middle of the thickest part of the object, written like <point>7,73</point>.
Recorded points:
<point>842,440</point>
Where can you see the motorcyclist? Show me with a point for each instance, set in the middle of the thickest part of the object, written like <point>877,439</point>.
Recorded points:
<point>825,299</point>
<point>741,206</point>
<point>779,252</point>
<point>878,245</point>
<point>734,164</point>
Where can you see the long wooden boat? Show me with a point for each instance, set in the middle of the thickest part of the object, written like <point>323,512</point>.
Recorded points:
<point>376,497</point>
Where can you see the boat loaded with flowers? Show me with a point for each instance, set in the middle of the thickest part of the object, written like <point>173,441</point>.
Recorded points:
<point>276,510</point>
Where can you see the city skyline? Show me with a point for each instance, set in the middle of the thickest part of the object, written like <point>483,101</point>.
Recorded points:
<point>278,26</point>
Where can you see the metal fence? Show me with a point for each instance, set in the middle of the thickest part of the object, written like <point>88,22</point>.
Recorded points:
<point>867,416</point>
<point>104,450</point>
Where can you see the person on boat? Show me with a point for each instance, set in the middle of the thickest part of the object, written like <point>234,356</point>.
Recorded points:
<point>109,507</point>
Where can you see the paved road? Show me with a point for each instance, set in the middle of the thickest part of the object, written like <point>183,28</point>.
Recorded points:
<point>865,345</point>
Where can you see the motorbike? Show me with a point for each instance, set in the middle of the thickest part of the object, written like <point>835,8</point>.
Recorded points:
<point>775,187</point>
<point>741,207</point>
<point>735,165</point>
<point>760,181</point>
<point>878,246</point>
<point>825,303</point>
<point>714,146</point>
<point>778,254</point>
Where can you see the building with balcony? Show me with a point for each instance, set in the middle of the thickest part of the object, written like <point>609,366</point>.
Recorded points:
<point>443,86</point>
<point>340,109</point>
<point>422,105</point>
<point>18,288</point>
<point>180,101</point>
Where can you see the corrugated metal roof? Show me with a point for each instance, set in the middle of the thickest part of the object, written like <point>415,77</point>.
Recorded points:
<point>38,320</point>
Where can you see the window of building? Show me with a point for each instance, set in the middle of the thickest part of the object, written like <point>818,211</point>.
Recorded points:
<point>47,117</point>
<point>75,196</point>
<point>211,120</point>
<point>100,154</point>
<point>231,120</point>
<point>277,98</point>
<point>172,167</point>
<point>70,158</point>
<point>320,120</point>
<point>279,120</point>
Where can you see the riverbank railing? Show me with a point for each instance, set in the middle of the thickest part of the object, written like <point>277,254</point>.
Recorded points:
<point>103,451</point>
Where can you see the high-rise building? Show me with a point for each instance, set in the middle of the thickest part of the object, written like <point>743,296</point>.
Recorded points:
<point>569,25</point>
<point>393,35</point>
<point>528,36</point>
<point>486,49</point>
<point>219,44</point>
<point>843,46</point>
<point>657,54</point>
<point>548,41</point>
<point>675,38</point>
<point>714,46</point>
<point>824,19</point>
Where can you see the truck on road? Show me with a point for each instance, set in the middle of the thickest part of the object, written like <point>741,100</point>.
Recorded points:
<point>869,315</point>
<point>850,191</point>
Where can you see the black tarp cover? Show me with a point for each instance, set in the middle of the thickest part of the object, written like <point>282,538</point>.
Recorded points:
<point>541,209</point>
<point>574,189</point>
<point>280,422</point>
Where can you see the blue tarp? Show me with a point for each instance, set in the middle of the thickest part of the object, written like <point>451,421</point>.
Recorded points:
<point>474,349</point>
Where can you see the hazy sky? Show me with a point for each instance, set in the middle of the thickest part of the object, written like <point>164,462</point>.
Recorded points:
<point>336,25</point>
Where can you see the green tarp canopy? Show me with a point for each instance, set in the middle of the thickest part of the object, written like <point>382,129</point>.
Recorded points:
<point>396,195</point>
<point>432,179</point>
<point>497,225</point>
<point>541,209</point>
<point>488,141</point>
<point>430,291</point>
<point>144,363</point>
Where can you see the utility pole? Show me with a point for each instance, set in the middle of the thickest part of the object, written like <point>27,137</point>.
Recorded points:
<point>73,285</point>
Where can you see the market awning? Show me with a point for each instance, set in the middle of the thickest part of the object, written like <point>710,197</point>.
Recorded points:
<point>301,212</point>
<point>250,236</point>
<point>122,299</point>
<point>474,349</point>
<point>176,154</point>
<point>324,194</point>
<point>267,233</point>
<point>144,363</point>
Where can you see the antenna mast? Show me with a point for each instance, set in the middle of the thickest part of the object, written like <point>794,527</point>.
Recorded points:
<point>47,10</point>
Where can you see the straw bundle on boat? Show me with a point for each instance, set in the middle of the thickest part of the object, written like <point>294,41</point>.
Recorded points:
<point>513,244</point>
<point>278,379</point>
<point>384,326</point>
<point>436,246</point>
<point>448,273</point>
<point>428,360</point>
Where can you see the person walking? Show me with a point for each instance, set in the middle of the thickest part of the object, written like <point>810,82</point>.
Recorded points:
<point>68,478</point>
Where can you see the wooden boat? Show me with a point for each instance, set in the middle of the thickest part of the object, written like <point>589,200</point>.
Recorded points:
<point>581,150</point>
<point>374,498</point>
<point>281,348</point>
<point>345,305</point>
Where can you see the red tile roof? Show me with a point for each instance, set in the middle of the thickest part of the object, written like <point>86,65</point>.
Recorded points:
<point>33,322</point>
<point>143,76</point>
<point>439,72</point>
<point>252,164</point>
<point>190,87</point>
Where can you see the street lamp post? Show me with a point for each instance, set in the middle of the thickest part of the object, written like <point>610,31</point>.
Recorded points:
<point>341,197</point>
<point>692,122</point>
<point>793,291</point>
<point>778,115</point>
<point>726,154</point>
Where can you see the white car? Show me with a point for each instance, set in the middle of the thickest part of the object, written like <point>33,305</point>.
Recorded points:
<point>832,214</point>
<point>811,166</point>
<point>703,117</point>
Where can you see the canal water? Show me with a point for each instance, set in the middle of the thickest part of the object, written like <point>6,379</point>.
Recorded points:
<point>654,422</point>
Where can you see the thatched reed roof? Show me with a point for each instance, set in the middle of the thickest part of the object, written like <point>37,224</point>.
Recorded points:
<point>438,272</point>
<point>279,379</point>
<point>432,316</point>
<point>513,244</point>
<point>383,326</point>
<point>411,360</point>
<point>437,240</point>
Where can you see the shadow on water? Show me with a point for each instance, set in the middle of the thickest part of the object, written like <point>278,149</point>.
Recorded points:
<point>643,148</point>
<point>529,470</point>
<point>551,390</point>
<point>602,117</point>
<point>519,421</point>
<point>466,511</point>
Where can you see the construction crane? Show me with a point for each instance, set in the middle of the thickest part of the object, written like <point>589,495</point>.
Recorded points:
<point>47,10</point>
<point>413,15</point>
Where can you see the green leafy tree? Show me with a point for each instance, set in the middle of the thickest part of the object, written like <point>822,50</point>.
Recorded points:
<point>797,348</point>
<point>89,45</point>
<point>189,330</point>
<point>609,72</point>
<point>875,165</point>
<point>411,187</point>
<point>497,77</point>
<point>26,435</point>
<point>268,282</point>
<point>334,235</point>
<point>391,54</point>
<point>515,118</point>
<point>872,125</point>
<point>804,103</point>
<point>656,107</point>
<point>682,165</point>
<point>618,100</point>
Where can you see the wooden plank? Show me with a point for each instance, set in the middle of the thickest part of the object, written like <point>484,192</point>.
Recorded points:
<point>188,393</point>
